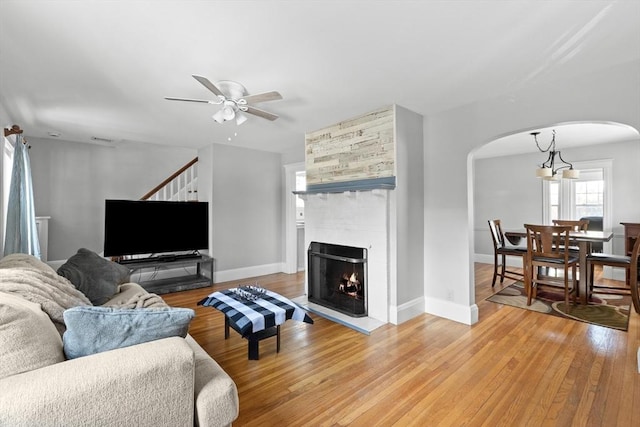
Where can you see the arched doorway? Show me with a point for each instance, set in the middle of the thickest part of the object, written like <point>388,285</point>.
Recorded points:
<point>504,184</point>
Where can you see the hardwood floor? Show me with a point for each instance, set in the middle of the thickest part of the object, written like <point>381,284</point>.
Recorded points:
<point>513,368</point>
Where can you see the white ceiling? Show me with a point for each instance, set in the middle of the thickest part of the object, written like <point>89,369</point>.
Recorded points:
<point>102,68</point>
<point>567,135</point>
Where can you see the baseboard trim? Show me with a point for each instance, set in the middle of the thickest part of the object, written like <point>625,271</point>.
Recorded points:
<point>452,311</point>
<point>512,261</point>
<point>247,272</point>
<point>407,311</point>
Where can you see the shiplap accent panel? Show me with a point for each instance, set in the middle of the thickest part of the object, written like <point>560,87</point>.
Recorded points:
<point>355,149</point>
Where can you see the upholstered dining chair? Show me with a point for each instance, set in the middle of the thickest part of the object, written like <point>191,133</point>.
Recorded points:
<point>502,248</point>
<point>595,224</point>
<point>548,247</point>
<point>629,263</point>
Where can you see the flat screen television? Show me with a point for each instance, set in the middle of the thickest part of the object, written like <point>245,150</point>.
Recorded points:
<point>134,227</point>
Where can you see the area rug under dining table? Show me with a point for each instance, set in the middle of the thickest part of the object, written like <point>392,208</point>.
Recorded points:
<point>608,310</point>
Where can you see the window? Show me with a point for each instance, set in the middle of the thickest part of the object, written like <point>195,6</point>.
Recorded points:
<point>588,195</point>
<point>7,169</point>
<point>301,185</point>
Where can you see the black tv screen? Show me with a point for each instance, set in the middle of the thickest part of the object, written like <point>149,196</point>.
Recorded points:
<point>133,227</point>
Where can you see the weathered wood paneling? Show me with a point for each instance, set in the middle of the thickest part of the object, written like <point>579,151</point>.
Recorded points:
<point>359,148</point>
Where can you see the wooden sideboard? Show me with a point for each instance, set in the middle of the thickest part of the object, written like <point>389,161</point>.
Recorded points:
<point>631,232</point>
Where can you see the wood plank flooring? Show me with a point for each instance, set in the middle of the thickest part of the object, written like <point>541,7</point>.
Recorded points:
<point>512,368</point>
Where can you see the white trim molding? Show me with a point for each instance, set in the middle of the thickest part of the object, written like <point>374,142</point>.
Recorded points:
<point>246,272</point>
<point>290,226</point>
<point>407,311</point>
<point>452,311</point>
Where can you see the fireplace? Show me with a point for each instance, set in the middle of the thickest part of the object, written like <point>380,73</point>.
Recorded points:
<point>338,277</point>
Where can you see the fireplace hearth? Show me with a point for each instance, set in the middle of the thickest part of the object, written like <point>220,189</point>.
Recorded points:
<point>338,277</point>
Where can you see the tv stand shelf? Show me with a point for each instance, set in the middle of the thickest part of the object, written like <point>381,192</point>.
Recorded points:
<point>172,274</point>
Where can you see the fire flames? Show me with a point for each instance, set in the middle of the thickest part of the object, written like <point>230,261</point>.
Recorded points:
<point>350,285</point>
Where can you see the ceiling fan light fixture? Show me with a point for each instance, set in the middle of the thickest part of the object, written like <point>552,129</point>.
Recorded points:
<point>219,116</point>
<point>228,112</point>
<point>240,118</point>
<point>234,100</point>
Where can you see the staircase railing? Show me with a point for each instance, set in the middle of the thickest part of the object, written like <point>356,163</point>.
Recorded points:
<point>180,186</point>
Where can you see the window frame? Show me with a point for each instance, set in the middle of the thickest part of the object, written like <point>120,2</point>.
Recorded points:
<point>566,187</point>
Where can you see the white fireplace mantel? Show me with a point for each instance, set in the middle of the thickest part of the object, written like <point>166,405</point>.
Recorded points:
<point>361,220</point>
<point>384,219</point>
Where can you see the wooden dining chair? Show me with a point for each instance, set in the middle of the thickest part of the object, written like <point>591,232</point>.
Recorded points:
<point>502,248</point>
<point>575,224</point>
<point>548,247</point>
<point>629,263</point>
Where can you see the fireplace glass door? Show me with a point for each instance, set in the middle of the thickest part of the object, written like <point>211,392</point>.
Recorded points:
<point>338,277</point>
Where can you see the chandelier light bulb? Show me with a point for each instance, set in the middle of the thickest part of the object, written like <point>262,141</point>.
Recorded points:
<point>544,172</point>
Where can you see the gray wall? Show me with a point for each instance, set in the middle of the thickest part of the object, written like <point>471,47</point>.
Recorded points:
<point>5,122</point>
<point>507,189</point>
<point>245,189</point>
<point>72,180</point>
<point>301,250</point>
<point>409,195</point>
<point>609,94</point>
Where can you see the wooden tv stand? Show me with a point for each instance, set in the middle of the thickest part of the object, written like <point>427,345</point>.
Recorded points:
<point>174,273</point>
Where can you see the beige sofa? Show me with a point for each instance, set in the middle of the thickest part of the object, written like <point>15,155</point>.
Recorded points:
<point>165,382</point>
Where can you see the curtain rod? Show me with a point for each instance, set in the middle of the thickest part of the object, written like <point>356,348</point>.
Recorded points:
<point>15,129</point>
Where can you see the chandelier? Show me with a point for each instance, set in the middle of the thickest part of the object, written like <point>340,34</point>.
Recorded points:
<point>551,167</point>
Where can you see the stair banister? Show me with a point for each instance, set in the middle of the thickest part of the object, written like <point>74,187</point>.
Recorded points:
<point>166,187</point>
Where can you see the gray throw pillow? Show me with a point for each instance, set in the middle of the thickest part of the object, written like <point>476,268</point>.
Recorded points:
<point>96,329</point>
<point>95,276</point>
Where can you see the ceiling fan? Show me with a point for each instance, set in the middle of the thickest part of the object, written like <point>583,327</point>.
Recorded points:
<point>234,99</point>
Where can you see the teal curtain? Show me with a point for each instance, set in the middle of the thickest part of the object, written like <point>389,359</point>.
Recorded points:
<point>21,233</point>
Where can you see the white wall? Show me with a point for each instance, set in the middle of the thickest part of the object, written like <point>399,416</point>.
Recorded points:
<point>507,189</point>
<point>72,180</point>
<point>610,94</point>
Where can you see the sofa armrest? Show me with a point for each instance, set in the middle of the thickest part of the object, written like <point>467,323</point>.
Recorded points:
<point>215,392</point>
<point>148,384</point>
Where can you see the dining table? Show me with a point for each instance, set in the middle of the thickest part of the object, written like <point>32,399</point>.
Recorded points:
<point>584,239</point>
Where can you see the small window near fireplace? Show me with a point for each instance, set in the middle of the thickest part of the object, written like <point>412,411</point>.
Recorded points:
<point>301,185</point>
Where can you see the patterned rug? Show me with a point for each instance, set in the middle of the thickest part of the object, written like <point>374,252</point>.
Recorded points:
<point>611,311</point>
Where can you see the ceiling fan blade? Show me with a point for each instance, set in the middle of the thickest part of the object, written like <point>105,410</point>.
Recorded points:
<point>261,113</point>
<point>206,83</point>
<point>262,97</point>
<point>171,98</point>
